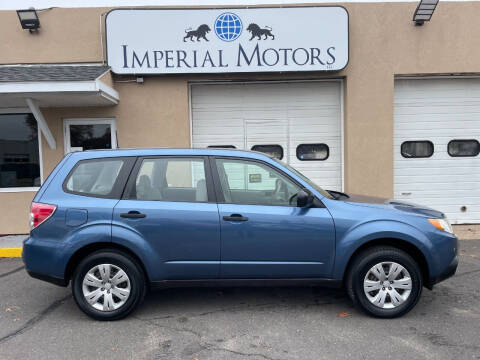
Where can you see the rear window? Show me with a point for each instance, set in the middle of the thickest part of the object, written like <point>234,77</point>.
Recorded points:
<point>94,177</point>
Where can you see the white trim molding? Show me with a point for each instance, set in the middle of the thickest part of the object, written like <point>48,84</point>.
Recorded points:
<point>42,124</point>
<point>52,87</point>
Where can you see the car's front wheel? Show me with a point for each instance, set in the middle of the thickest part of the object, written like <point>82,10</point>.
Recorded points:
<point>108,285</point>
<point>384,281</point>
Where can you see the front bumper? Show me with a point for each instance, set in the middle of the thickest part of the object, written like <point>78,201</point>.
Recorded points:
<point>448,272</point>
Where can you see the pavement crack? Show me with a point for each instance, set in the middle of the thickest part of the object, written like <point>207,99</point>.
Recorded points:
<point>12,271</point>
<point>33,321</point>
<point>467,273</point>
<point>212,347</point>
<point>216,311</point>
<point>206,345</point>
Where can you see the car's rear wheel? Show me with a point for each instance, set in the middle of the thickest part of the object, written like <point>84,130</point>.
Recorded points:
<point>384,282</point>
<point>108,285</point>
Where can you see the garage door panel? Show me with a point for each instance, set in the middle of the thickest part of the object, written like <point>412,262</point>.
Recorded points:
<point>287,114</point>
<point>438,110</point>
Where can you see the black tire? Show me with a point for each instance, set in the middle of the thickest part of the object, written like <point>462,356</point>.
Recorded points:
<point>364,261</point>
<point>124,262</point>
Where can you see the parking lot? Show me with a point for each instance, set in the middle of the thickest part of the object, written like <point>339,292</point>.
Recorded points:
<point>41,321</point>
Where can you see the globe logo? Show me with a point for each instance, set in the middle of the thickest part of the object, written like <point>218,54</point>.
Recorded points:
<point>228,27</point>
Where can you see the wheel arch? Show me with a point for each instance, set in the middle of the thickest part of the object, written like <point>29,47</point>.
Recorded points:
<point>406,246</point>
<point>88,249</point>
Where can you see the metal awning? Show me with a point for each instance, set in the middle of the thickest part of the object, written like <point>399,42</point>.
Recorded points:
<point>44,86</point>
<point>56,85</point>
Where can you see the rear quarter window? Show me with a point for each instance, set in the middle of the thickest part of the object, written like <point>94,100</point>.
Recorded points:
<point>98,177</point>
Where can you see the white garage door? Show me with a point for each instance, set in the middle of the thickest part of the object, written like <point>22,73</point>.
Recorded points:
<point>441,118</point>
<point>299,119</point>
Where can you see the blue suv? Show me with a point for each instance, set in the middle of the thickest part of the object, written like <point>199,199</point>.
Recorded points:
<point>118,223</point>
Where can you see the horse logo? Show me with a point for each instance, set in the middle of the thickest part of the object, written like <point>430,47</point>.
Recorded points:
<point>200,33</point>
<point>258,32</point>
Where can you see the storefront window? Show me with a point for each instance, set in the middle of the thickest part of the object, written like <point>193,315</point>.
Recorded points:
<point>19,153</point>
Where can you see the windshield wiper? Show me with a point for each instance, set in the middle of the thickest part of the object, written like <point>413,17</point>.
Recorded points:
<point>337,195</point>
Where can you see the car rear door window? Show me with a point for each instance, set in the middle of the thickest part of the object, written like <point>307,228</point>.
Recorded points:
<point>95,177</point>
<point>171,179</point>
<point>463,148</point>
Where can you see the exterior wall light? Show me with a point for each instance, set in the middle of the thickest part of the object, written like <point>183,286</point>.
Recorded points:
<point>424,11</point>
<point>29,19</point>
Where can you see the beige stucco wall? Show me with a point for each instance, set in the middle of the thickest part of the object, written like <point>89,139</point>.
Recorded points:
<point>383,43</point>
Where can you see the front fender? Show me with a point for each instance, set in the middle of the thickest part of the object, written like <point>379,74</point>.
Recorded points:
<point>352,239</point>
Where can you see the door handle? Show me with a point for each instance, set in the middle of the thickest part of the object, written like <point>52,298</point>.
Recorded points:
<point>235,217</point>
<point>133,215</point>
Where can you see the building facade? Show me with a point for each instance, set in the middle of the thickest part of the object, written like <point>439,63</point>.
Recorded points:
<point>370,104</point>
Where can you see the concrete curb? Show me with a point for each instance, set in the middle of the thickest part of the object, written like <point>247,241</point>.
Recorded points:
<point>11,245</point>
<point>11,252</point>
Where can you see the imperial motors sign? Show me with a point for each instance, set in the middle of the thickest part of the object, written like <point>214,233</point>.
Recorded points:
<point>188,41</point>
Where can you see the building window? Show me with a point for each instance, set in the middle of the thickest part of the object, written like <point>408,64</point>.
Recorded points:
<point>275,151</point>
<point>90,134</point>
<point>417,149</point>
<point>463,148</point>
<point>19,151</point>
<point>309,152</point>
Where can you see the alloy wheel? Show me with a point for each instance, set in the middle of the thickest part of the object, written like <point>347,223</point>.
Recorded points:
<point>387,285</point>
<point>106,287</point>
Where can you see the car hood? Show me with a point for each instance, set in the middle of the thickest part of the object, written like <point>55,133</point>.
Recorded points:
<point>399,205</point>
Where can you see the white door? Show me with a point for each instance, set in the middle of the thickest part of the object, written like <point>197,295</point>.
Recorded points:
<point>299,120</point>
<point>436,145</point>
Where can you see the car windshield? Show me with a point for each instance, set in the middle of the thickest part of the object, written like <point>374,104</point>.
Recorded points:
<point>306,179</point>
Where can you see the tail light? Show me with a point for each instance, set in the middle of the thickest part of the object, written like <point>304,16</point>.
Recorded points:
<point>39,213</point>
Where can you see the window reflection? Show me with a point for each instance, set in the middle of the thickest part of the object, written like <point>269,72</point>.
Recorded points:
<point>19,155</point>
<point>89,137</point>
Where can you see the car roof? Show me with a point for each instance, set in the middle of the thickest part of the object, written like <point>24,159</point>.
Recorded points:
<point>92,154</point>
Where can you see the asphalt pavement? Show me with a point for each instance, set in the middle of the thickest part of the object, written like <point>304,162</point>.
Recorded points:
<point>41,321</point>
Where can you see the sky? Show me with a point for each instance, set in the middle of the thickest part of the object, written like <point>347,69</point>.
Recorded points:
<point>40,4</point>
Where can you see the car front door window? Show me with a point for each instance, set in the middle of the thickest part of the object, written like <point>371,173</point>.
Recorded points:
<point>253,183</point>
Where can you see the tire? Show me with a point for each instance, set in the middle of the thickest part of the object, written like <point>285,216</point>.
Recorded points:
<point>364,271</point>
<point>113,299</point>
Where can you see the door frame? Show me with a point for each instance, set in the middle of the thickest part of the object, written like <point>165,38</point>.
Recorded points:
<point>243,82</point>
<point>88,121</point>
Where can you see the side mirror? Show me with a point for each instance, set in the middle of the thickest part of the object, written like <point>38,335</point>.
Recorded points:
<point>304,199</point>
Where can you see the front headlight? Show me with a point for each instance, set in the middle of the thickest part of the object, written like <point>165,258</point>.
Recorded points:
<point>442,224</point>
